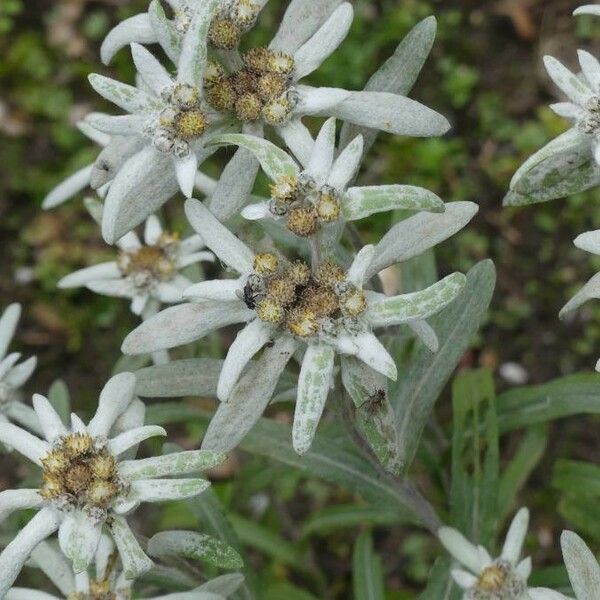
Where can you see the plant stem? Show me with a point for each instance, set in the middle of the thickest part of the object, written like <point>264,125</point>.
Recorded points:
<point>413,499</point>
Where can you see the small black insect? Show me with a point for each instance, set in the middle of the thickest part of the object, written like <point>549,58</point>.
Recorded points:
<point>374,403</point>
<point>253,290</point>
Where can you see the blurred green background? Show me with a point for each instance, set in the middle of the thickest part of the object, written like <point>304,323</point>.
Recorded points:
<point>485,73</point>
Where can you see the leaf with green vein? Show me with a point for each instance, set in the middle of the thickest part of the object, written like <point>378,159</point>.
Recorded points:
<point>571,395</point>
<point>333,459</point>
<point>208,510</point>
<point>530,451</point>
<point>275,162</point>
<point>563,167</point>
<point>373,412</point>
<point>337,517</point>
<point>195,546</point>
<point>426,375</point>
<point>367,570</point>
<point>475,457</point>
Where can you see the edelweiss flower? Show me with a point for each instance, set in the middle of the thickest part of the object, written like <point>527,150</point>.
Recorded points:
<point>583,93</point>
<point>261,87</point>
<point>503,578</point>
<point>321,306</point>
<point>107,581</point>
<point>87,484</point>
<point>266,88</point>
<point>149,273</point>
<point>233,19</point>
<point>13,375</point>
<point>318,195</point>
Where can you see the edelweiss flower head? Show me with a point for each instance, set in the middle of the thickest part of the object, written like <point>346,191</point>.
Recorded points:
<point>322,306</point>
<point>319,195</point>
<point>86,483</point>
<point>13,375</point>
<point>149,273</point>
<point>503,578</point>
<point>583,107</point>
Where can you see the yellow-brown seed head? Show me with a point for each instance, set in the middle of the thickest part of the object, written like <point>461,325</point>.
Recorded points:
<point>149,259</point>
<point>281,290</point>
<point>51,486</point>
<point>244,13</point>
<point>302,221</point>
<point>224,34</point>
<point>103,466</point>
<point>265,263</point>
<point>278,111</point>
<point>303,323</point>
<point>299,273</point>
<point>222,96</point>
<point>213,74</point>
<point>77,444</point>
<point>269,311</point>
<point>328,207</point>
<point>185,96</point>
<point>55,461</point>
<point>285,188</point>
<point>77,478</point>
<point>243,81</point>
<point>353,302</point>
<point>101,493</point>
<point>282,63</point>
<point>320,300</point>
<point>492,578</point>
<point>258,59</point>
<point>270,86</point>
<point>248,107</point>
<point>190,124</point>
<point>329,273</point>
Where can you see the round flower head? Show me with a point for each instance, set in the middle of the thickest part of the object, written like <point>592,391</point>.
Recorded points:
<point>263,88</point>
<point>321,307</point>
<point>305,200</point>
<point>88,483</point>
<point>149,273</point>
<point>502,578</point>
<point>14,374</point>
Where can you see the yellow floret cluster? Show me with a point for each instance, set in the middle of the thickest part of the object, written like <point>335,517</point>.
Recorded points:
<point>291,296</point>
<point>256,91</point>
<point>80,473</point>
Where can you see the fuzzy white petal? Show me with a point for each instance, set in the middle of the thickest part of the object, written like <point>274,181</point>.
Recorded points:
<point>8,324</point>
<point>313,388</point>
<point>65,190</point>
<point>130,438</point>
<point>321,158</point>
<point>12,500</point>
<point>13,557</point>
<point>78,536</point>
<point>218,238</point>
<point>135,562</point>
<point>107,270</point>
<point>135,29</point>
<point>22,441</point>
<point>346,164</point>
<point>114,399</point>
<point>568,82</point>
<point>460,548</point>
<point>246,344</point>
<point>515,537</point>
<point>50,421</point>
